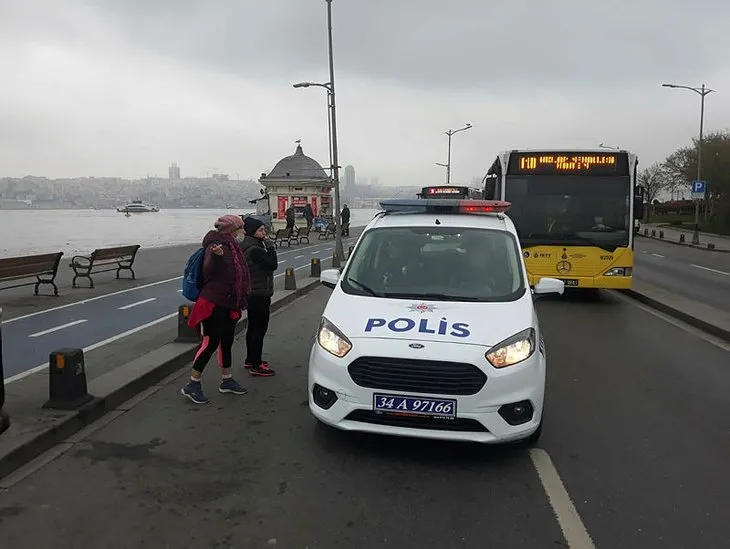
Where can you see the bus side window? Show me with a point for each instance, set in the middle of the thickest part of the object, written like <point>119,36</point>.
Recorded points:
<point>490,189</point>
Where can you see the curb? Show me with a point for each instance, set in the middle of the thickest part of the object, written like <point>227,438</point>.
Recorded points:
<point>99,406</point>
<point>711,329</point>
<point>686,245</point>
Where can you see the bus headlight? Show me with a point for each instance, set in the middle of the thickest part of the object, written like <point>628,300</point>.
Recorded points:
<point>618,271</point>
<point>332,340</point>
<point>512,350</point>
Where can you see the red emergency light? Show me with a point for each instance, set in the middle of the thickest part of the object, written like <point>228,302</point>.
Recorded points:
<point>444,206</point>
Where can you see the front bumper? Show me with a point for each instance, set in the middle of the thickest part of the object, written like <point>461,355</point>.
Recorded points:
<point>348,406</point>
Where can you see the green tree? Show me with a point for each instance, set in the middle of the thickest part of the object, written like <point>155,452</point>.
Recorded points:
<point>681,168</point>
<point>654,179</point>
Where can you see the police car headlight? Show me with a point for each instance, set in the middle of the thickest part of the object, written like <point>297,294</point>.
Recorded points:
<point>512,350</point>
<point>332,340</point>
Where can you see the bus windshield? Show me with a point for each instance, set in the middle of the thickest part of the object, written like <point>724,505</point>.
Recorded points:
<point>570,210</point>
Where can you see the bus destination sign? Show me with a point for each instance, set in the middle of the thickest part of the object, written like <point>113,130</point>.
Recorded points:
<point>444,190</point>
<point>568,163</point>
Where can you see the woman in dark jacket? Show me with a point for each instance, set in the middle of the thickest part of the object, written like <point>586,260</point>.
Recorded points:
<point>262,262</point>
<point>223,293</point>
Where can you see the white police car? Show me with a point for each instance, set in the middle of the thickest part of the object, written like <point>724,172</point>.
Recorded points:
<point>431,330</point>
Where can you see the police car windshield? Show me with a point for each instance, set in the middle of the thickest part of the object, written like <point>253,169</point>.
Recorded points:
<point>436,263</point>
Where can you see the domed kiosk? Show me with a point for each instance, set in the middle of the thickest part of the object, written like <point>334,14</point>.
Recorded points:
<point>295,181</point>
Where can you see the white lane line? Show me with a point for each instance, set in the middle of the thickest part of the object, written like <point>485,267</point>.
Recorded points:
<point>708,269</point>
<point>657,255</point>
<point>298,256</point>
<point>112,339</point>
<point>315,252</point>
<point>574,531</point>
<point>83,301</point>
<point>296,269</point>
<point>709,338</point>
<point>282,260</point>
<point>149,300</point>
<point>57,328</point>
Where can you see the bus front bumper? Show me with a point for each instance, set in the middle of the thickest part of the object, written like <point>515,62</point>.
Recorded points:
<point>605,282</point>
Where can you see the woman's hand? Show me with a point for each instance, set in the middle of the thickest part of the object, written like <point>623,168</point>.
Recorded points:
<point>217,249</point>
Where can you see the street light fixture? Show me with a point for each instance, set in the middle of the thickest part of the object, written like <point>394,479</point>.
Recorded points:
<point>702,92</point>
<point>448,161</point>
<point>330,87</point>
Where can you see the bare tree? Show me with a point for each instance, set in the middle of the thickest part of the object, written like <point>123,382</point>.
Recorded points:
<point>654,179</point>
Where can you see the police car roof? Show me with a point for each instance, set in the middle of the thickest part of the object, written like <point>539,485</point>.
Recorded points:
<point>499,222</point>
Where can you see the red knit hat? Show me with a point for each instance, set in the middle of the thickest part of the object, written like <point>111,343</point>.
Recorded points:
<point>229,223</point>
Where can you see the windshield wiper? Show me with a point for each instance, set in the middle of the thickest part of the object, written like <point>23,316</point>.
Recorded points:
<point>431,296</point>
<point>363,287</point>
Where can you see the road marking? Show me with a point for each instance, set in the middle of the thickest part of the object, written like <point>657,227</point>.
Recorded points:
<point>56,328</point>
<point>296,269</point>
<point>709,338</point>
<point>149,300</point>
<point>284,260</point>
<point>89,300</point>
<point>134,289</point>
<point>298,256</point>
<point>657,255</point>
<point>574,531</point>
<point>97,345</point>
<point>711,270</point>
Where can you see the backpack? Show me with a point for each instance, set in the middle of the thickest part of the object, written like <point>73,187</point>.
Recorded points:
<point>193,275</point>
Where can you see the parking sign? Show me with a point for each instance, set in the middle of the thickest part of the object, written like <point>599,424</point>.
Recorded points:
<point>698,188</point>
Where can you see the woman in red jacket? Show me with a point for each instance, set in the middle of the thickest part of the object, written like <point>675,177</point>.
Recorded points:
<point>226,284</point>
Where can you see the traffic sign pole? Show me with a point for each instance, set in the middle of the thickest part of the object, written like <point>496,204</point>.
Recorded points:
<point>698,189</point>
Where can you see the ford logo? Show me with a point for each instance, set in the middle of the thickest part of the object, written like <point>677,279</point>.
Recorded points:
<point>416,346</point>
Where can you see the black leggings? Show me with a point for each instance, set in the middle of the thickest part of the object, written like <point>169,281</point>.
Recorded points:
<point>219,331</point>
<point>259,310</point>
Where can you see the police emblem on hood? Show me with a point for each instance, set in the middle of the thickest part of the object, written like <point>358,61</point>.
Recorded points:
<point>422,308</point>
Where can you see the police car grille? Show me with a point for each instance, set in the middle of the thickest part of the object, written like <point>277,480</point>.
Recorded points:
<point>436,424</point>
<point>419,376</point>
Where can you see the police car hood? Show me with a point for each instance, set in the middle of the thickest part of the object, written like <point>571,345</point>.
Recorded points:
<point>451,322</point>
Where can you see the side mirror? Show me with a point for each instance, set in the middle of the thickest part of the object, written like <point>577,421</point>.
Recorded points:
<point>330,277</point>
<point>546,286</point>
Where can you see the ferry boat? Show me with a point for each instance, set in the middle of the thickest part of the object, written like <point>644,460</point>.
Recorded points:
<point>137,206</point>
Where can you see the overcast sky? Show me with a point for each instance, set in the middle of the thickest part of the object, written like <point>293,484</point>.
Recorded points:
<point>125,87</point>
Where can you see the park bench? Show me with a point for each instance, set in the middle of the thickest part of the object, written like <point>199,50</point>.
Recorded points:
<point>43,268</point>
<point>281,236</point>
<point>302,234</point>
<point>102,260</point>
<point>329,231</point>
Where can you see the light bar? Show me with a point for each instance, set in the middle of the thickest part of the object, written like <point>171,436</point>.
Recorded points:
<point>444,206</point>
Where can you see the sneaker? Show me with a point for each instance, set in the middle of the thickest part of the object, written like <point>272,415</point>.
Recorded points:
<point>230,385</point>
<point>194,391</point>
<point>262,370</point>
<point>248,365</point>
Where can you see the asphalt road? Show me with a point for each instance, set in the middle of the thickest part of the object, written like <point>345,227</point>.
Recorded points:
<point>636,427</point>
<point>93,321</point>
<point>698,275</point>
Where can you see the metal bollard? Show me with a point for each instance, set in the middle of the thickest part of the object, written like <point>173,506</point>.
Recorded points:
<point>316,268</point>
<point>185,334</point>
<point>67,380</point>
<point>681,239</point>
<point>661,234</point>
<point>335,261</point>
<point>290,281</point>
<point>646,232</point>
<point>710,246</point>
<point>4,417</point>
<point>653,232</point>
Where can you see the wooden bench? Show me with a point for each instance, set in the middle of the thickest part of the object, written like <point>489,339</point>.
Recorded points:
<point>281,236</point>
<point>43,268</point>
<point>302,234</point>
<point>103,260</point>
<point>329,231</point>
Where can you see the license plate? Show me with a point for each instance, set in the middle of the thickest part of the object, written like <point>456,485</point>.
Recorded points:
<point>414,406</point>
<point>570,281</point>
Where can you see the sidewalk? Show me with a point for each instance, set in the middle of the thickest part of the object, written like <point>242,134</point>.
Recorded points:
<point>667,233</point>
<point>151,356</point>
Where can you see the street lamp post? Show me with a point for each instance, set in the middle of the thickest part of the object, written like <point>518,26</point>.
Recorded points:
<point>448,161</point>
<point>335,167</point>
<point>702,91</point>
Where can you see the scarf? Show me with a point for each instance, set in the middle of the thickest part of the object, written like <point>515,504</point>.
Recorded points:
<point>242,275</point>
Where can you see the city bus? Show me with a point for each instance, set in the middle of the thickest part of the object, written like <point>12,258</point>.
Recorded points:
<point>574,211</point>
<point>450,191</point>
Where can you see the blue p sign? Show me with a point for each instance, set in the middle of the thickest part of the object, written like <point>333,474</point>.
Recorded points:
<point>698,187</point>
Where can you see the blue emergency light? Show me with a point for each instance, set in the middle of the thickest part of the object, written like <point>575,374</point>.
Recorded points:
<point>444,206</point>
